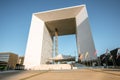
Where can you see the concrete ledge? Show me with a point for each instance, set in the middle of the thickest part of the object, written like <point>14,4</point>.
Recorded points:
<point>52,67</point>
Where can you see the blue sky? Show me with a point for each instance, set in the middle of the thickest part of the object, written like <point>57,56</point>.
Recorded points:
<point>15,19</point>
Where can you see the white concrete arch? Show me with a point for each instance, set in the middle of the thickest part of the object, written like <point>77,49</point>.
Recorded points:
<point>71,20</point>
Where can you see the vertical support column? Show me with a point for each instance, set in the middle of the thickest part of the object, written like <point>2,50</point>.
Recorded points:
<point>84,36</point>
<point>39,45</point>
<point>34,43</point>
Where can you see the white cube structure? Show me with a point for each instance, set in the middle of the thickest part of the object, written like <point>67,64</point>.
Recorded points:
<point>71,20</point>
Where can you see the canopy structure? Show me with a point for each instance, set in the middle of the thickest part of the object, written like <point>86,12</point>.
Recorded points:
<point>61,57</point>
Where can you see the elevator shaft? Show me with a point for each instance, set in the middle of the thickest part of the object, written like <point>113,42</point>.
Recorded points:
<point>56,42</point>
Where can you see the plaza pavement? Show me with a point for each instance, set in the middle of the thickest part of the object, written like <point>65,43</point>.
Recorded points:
<point>78,74</point>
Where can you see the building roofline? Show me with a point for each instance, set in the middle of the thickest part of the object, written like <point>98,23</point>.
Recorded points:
<point>8,53</point>
<point>60,9</point>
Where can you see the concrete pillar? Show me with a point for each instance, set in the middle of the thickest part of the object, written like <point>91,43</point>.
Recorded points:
<point>39,45</point>
<point>84,37</point>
